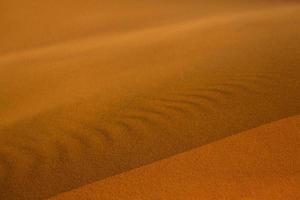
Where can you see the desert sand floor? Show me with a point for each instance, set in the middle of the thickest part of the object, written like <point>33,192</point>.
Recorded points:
<point>262,163</point>
<point>90,89</point>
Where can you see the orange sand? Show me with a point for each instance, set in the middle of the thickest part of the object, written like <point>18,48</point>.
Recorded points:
<point>262,163</point>
<point>90,89</point>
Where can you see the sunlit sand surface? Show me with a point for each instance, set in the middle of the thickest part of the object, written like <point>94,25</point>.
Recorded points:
<point>261,163</point>
<point>91,89</point>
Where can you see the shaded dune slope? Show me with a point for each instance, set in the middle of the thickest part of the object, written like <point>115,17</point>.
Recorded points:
<point>75,112</point>
<point>260,163</point>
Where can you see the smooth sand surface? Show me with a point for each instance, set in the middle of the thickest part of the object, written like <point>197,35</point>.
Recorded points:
<point>262,163</point>
<point>90,89</point>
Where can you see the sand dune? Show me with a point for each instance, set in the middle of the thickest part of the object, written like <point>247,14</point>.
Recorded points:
<point>261,163</point>
<point>85,94</point>
<point>34,23</point>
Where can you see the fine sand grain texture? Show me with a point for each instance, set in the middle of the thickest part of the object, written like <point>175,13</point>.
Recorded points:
<point>90,89</point>
<point>262,163</point>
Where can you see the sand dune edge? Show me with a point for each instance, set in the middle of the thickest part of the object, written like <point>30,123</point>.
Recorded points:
<point>261,163</point>
<point>76,113</point>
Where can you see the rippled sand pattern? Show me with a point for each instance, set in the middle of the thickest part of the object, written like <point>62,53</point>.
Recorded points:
<point>260,163</point>
<point>90,89</point>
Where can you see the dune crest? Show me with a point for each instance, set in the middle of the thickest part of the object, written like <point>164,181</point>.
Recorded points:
<point>261,163</point>
<point>90,89</point>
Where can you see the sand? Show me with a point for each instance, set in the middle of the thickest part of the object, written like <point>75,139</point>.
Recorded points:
<point>91,89</point>
<point>260,163</point>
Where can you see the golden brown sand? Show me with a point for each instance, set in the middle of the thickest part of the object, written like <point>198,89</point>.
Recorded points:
<point>262,163</point>
<point>90,89</point>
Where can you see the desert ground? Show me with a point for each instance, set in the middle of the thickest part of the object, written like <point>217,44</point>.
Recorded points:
<point>255,164</point>
<point>106,99</point>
